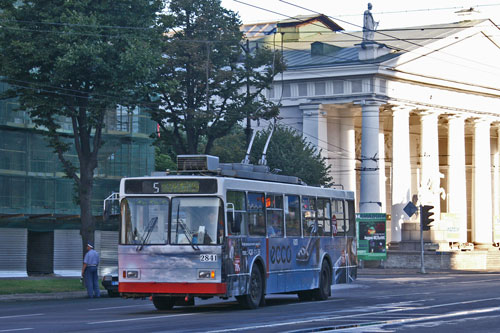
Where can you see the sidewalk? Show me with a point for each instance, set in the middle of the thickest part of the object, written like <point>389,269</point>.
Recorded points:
<point>414,271</point>
<point>361,272</point>
<point>46,296</point>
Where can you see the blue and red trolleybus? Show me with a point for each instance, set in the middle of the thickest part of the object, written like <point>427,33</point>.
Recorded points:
<point>224,230</point>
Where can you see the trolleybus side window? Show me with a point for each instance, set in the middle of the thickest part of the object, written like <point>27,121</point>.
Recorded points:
<point>292,215</point>
<point>309,216</point>
<point>195,220</point>
<point>274,210</point>
<point>324,217</point>
<point>256,217</point>
<point>145,221</point>
<point>338,216</point>
<point>236,202</point>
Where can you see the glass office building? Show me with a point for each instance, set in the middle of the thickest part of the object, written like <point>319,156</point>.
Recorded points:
<point>39,216</point>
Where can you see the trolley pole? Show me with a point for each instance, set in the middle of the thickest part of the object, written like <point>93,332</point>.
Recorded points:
<point>422,267</point>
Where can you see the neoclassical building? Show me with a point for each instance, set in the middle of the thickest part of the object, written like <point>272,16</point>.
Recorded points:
<point>413,115</point>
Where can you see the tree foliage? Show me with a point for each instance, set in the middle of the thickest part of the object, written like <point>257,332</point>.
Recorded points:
<point>232,147</point>
<point>290,153</point>
<point>76,60</point>
<point>203,78</point>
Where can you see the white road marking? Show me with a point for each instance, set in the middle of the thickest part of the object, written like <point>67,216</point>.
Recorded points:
<point>24,315</point>
<point>143,318</point>
<point>477,281</point>
<point>350,316</point>
<point>120,307</point>
<point>325,301</point>
<point>400,295</point>
<point>432,317</point>
<point>458,303</point>
<point>17,329</point>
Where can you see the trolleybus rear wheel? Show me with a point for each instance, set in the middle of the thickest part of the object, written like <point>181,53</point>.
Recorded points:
<point>163,302</point>
<point>255,291</point>
<point>323,290</point>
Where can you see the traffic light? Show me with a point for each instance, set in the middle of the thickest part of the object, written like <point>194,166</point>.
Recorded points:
<point>426,216</point>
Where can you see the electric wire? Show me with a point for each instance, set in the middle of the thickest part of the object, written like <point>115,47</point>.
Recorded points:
<point>75,90</point>
<point>379,32</point>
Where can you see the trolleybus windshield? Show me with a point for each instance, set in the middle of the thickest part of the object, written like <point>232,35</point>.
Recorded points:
<point>195,220</point>
<point>145,221</point>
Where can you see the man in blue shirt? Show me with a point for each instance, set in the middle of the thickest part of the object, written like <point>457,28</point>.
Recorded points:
<point>89,271</point>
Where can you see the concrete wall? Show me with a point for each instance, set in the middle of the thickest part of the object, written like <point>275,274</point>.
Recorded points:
<point>453,260</point>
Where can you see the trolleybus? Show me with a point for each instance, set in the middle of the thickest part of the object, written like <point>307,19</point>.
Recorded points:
<point>232,230</point>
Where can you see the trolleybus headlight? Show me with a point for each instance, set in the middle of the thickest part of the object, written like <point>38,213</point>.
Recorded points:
<point>132,274</point>
<point>206,274</point>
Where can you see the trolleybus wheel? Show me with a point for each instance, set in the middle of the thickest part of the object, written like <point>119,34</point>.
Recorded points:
<point>323,291</point>
<point>255,292</point>
<point>163,302</point>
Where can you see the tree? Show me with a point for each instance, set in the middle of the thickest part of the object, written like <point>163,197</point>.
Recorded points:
<point>204,74</point>
<point>78,59</point>
<point>163,157</point>
<point>290,153</point>
<point>232,147</point>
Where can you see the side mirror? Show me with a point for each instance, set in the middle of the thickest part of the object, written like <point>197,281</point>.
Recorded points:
<point>111,207</point>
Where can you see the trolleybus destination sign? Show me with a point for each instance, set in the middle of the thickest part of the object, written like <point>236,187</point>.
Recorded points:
<point>153,186</point>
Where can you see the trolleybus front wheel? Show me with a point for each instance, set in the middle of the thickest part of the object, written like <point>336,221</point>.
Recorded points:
<point>255,291</point>
<point>163,302</point>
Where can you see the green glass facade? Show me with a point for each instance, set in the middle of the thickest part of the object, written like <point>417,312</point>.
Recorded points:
<point>32,182</point>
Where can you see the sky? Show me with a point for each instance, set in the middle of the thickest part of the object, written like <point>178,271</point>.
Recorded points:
<point>349,13</point>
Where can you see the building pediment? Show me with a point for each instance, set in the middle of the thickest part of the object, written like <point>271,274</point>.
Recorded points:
<point>466,58</point>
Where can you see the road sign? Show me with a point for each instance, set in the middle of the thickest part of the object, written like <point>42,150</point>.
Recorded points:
<point>410,209</point>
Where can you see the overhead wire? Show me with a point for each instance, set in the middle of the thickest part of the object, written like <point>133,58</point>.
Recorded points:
<point>423,10</point>
<point>319,140</point>
<point>289,125</point>
<point>391,38</point>
<point>125,27</point>
<point>388,35</point>
<point>360,38</point>
<point>338,15</point>
<point>282,15</point>
<point>334,57</point>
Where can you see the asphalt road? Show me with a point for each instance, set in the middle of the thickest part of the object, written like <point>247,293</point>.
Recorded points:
<point>436,302</point>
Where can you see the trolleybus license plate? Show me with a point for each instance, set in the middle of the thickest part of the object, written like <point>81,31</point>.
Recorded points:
<point>208,257</point>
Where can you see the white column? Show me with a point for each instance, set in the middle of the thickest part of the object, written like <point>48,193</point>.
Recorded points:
<point>401,169</point>
<point>457,195</point>
<point>381,165</point>
<point>430,180</point>
<point>315,128</point>
<point>482,226</point>
<point>496,187</point>
<point>369,201</point>
<point>347,143</point>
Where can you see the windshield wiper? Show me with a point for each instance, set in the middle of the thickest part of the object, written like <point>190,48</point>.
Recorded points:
<point>187,233</point>
<point>149,230</point>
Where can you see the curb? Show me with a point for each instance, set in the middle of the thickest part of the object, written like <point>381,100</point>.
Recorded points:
<point>416,271</point>
<point>43,296</point>
<point>361,272</point>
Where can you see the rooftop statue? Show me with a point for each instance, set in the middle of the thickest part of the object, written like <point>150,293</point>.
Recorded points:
<point>369,25</point>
